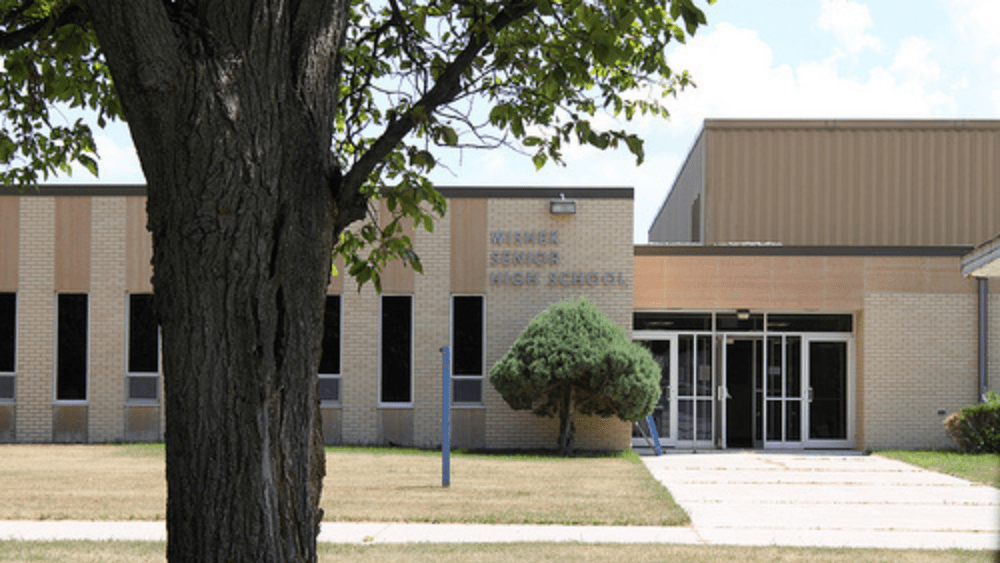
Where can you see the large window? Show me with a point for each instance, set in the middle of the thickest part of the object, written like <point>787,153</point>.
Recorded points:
<point>143,378</point>
<point>396,349</point>
<point>329,362</point>
<point>8,344</point>
<point>71,347</point>
<point>467,345</point>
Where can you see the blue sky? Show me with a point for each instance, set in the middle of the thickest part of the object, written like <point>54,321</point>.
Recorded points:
<point>831,59</point>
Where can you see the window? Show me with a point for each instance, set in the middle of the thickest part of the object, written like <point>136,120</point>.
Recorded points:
<point>71,347</point>
<point>329,362</point>
<point>396,349</point>
<point>143,349</point>
<point>8,344</point>
<point>467,345</point>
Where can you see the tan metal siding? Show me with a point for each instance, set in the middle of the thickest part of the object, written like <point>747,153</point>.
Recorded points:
<point>397,277</point>
<point>9,212</point>
<point>72,248</point>
<point>674,222</point>
<point>138,247</point>
<point>468,245</point>
<point>854,183</point>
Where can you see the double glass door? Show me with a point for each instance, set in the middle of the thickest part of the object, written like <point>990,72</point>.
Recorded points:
<point>741,391</point>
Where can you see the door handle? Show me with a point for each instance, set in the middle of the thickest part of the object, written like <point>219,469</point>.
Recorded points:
<point>722,393</point>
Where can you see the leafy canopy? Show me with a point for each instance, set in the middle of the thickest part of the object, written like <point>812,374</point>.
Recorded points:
<point>417,78</point>
<point>574,345</point>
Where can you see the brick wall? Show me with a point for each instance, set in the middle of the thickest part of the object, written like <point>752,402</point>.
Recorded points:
<point>598,239</point>
<point>106,373</point>
<point>35,319</point>
<point>919,359</point>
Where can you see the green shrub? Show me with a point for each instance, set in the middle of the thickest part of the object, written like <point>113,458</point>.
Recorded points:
<point>976,428</point>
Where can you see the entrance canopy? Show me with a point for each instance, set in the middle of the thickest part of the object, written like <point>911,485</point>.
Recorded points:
<point>983,262</point>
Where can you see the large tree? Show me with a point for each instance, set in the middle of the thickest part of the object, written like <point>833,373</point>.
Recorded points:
<point>264,129</point>
<point>572,358</point>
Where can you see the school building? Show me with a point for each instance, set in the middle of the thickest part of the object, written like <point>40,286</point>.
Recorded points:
<point>808,284</point>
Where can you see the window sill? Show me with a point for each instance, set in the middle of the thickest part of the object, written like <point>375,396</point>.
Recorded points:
<point>68,403</point>
<point>395,405</point>
<point>142,403</point>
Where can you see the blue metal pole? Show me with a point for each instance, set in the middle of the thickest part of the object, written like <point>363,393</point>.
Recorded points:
<point>656,435</point>
<point>445,417</point>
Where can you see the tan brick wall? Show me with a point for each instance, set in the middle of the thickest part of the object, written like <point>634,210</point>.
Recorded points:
<point>598,238</point>
<point>106,373</point>
<point>359,365</point>
<point>35,319</point>
<point>431,320</point>
<point>919,359</point>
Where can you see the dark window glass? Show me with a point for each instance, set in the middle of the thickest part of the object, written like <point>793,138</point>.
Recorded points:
<point>731,323</point>
<point>329,362</point>
<point>672,321</point>
<point>143,387</point>
<point>71,363</point>
<point>143,336</point>
<point>467,390</point>
<point>7,387</point>
<point>8,331</point>
<point>828,379</point>
<point>467,326</point>
<point>810,323</point>
<point>396,348</point>
<point>329,389</point>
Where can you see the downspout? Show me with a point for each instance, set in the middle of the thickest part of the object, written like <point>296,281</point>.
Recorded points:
<point>984,355</point>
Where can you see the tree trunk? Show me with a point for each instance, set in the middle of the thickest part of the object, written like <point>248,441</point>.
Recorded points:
<point>234,134</point>
<point>567,428</point>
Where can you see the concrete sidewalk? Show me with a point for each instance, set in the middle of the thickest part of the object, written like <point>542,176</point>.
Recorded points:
<point>795,499</point>
<point>817,499</point>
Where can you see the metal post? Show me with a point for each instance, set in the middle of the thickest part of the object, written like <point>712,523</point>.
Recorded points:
<point>655,433</point>
<point>445,417</point>
<point>984,353</point>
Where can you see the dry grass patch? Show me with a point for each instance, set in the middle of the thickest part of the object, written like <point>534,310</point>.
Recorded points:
<point>85,482</point>
<point>131,552</point>
<point>388,485</point>
<point>90,482</point>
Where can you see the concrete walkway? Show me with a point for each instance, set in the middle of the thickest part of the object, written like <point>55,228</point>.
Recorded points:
<point>816,499</point>
<point>795,499</point>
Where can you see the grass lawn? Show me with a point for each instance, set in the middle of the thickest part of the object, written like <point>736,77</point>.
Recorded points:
<point>125,482</point>
<point>142,552</point>
<point>980,468</point>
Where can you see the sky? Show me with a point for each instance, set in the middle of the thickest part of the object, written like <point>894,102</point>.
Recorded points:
<point>827,59</point>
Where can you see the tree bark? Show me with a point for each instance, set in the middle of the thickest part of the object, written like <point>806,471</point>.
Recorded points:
<point>567,429</point>
<point>242,206</point>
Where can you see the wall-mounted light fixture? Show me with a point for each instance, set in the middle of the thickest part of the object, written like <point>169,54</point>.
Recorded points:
<point>562,206</point>
<point>742,314</point>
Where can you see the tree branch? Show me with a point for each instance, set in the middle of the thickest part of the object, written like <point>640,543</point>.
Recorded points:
<point>445,89</point>
<point>21,37</point>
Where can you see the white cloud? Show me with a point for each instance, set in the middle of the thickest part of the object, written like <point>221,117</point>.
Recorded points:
<point>977,19</point>
<point>849,23</point>
<point>913,62</point>
<point>737,77</point>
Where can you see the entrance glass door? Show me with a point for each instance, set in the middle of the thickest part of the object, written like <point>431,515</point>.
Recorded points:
<point>830,421</point>
<point>664,350</point>
<point>695,391</point>
<point>782,401</point>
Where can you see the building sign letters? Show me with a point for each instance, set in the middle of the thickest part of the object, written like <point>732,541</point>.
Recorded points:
<point>539,249</point>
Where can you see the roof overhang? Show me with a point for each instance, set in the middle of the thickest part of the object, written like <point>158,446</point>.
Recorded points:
<point>984,261</point>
